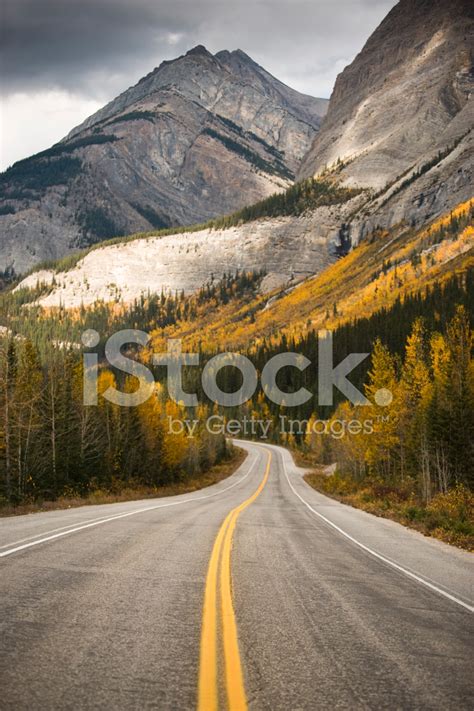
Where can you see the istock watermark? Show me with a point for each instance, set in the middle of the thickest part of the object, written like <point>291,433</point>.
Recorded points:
<point>330,376</point>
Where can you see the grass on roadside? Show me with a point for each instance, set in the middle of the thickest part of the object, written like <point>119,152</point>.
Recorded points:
<point>134,493</point>
<point>448,517</point>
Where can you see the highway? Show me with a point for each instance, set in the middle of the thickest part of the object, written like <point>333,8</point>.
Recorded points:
<point>255,593</point>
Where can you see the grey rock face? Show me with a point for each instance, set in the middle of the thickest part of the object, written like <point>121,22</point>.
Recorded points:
<point>405,100</point>
<point>200,136</point>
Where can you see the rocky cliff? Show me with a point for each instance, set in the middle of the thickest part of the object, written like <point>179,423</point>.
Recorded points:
<point>199,136</point>
<point>401,115</point>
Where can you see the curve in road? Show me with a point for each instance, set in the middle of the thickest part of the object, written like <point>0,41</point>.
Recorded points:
<point>327,606</point>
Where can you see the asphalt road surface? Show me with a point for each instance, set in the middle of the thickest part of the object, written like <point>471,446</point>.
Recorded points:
<point>255,593</point>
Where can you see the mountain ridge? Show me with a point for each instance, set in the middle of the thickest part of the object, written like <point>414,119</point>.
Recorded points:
<point>236,62</point>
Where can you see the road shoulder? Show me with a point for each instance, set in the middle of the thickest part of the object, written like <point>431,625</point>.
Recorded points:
<point>436,562</point>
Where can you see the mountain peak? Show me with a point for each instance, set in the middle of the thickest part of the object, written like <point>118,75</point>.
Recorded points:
<point>236,54</point>
<point>236,58</point>
<point>199,50</point>
<point>242,55</point>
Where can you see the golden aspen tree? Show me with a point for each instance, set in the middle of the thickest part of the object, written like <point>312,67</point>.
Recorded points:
<point>416,393</point>
<point>383,391</point>
<point>152,428</point>
<point>175,443</point>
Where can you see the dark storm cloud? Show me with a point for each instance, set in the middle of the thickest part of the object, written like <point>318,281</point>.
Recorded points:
<point>63,43</point>
<point>97,47</point>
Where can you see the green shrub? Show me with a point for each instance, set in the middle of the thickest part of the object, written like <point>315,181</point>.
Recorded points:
<point>133,116</point>
<point>7,210</point>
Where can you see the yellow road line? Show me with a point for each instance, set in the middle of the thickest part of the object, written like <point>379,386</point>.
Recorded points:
<point>208,689</point>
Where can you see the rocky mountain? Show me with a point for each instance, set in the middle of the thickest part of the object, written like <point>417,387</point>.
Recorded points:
<point>199,136</point>
<point>398,131</point>
<point>401,115</point>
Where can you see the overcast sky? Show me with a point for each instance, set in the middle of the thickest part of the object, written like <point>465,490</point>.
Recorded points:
<point>61,60</point>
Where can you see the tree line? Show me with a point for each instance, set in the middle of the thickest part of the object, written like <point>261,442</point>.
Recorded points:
<point>147,313</point>
<point>49,442</point>
<point>52,445</point>
<point>423,432</point>
<point>421,351</point>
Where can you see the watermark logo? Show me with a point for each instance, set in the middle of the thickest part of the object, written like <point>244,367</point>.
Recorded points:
<point>263,429</point>
<point>330,376</point>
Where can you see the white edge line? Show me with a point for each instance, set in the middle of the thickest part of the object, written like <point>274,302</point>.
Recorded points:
<point>96,522</point>
<point>398,567</point>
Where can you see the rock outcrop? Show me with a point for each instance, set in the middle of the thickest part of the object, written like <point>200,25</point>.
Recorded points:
<point>289,249</point>
<point>199,136</point>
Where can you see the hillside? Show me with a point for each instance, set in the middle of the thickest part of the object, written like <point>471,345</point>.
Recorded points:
<point>199,136</point>
<point>387,267</point>
<point>379,273</point>
<point>290,247</point>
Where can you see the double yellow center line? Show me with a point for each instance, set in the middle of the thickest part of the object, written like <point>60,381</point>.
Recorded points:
<point>208,693</point>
